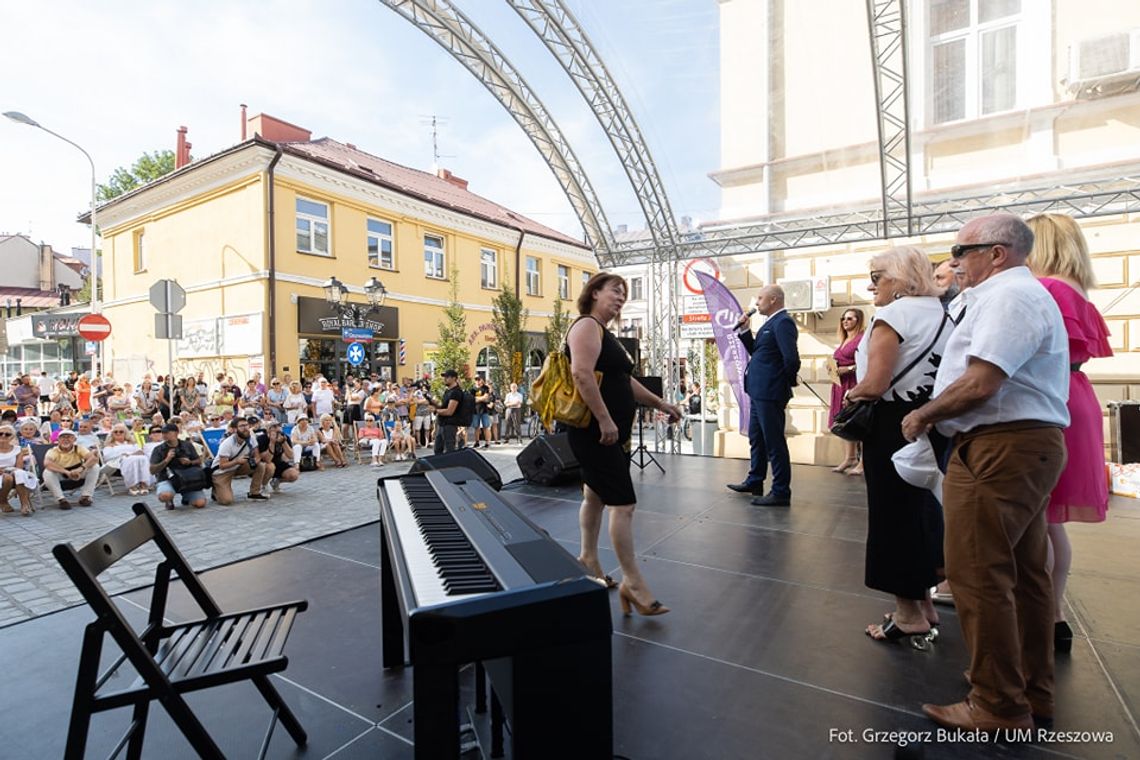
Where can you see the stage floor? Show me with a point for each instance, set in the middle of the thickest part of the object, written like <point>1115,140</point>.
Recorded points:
<point>763,655</point>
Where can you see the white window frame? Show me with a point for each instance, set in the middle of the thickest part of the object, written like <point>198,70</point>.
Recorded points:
<point>586,278</point>
<point>489,270</point>
<point>636,289</point>
<point>313,219</point>
<point>563,273</point>
<point>380,237</point>
<point>1034,86</point>
<point>533,277</point>
<point>441,252</point>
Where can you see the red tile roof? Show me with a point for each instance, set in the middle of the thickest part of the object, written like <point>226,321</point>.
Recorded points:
<point>419,184</point>
<point>30,298</point>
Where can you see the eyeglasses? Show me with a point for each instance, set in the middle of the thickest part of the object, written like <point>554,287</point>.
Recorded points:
<point>960,250</point>
<point>876,275</point>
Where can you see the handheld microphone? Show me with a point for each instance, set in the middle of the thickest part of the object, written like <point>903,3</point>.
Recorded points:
<point>749,313</point>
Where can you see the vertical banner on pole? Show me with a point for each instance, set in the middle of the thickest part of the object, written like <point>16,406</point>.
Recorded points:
<point>724,310</point>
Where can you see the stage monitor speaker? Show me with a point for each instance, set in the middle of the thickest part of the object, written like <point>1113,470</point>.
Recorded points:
<point>469,458</point>
<point>655,384</point>
<point>548,461</point>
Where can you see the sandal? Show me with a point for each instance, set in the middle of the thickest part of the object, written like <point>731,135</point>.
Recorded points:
<point>891,632</point>
<point>6,507</point>
<point>891,616</point>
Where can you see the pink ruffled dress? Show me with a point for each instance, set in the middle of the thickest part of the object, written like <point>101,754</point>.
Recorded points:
<point>1081,494</point>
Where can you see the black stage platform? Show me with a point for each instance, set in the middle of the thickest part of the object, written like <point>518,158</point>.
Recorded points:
<point>763,656</point>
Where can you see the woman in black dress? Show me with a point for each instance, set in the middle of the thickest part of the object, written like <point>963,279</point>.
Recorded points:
<point>602,448</point>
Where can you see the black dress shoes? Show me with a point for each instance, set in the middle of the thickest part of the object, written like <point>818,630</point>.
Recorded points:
<point>772,500</point>
<point>755,490</point>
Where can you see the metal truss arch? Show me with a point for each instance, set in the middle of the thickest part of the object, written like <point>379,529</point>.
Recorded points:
<point>886,21</point>
<point>564,37</point>
<point>456,34</point>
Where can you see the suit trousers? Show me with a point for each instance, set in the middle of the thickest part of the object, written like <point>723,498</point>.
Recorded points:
<point>768,443</point>
<point>996,490</point>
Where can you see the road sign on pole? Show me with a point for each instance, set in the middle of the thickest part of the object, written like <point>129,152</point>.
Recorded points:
<point>168,326</point>
<point>167,296</point>
<point>355,354</point>
<point>94,327</point>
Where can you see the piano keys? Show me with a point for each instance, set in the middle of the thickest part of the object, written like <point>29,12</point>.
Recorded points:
<point>467,578</point>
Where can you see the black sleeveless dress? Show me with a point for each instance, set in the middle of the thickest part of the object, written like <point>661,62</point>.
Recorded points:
<point>605,469</point>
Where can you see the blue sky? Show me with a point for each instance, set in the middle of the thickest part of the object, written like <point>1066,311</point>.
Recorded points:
<point>120,77</point>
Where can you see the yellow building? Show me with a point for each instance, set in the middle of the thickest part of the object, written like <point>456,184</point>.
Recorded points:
<point>253,232</point>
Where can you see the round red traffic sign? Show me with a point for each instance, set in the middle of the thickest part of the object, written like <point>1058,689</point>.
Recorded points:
<point>94,327</point>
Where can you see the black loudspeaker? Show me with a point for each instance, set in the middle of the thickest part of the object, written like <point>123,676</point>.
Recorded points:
<point>548,460</point>
<point>469,458</point>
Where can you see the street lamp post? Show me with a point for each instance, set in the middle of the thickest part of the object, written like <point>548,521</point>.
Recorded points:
<point>336,294</point>
<point>20,118</point>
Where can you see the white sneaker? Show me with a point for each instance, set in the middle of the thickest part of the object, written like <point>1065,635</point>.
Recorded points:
<point>275,484</point>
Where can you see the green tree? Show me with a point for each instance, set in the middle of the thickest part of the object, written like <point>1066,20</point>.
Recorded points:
<point>452,351</point>
<point>149,167</point>
<point>508,319</point>
<point>557,326</point>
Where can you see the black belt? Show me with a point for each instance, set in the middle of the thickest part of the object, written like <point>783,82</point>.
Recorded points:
<point>1076,367</point>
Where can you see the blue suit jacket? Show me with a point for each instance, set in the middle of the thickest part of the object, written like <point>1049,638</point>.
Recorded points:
<point>775,360</point>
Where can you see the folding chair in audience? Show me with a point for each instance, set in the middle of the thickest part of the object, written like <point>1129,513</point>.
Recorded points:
<point>170,660</point>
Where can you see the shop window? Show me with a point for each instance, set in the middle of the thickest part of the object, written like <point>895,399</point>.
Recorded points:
<point>312,227</point>
<point>380,247</point>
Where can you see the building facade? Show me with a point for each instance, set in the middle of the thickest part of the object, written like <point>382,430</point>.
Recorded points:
<point>253,232</point>
<point>1004,95</point>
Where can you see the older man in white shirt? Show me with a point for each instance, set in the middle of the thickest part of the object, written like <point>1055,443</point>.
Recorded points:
<point>1000,393</point>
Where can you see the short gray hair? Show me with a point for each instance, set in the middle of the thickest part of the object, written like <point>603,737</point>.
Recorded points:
<point>1008,229</point>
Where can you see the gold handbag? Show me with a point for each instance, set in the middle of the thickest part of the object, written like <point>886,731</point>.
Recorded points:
<point>555,397</point>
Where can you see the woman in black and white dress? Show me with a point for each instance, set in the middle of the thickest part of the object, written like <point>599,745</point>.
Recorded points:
<point>904,523</point>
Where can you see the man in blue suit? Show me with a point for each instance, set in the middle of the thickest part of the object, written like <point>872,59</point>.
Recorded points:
<point>768,380</point>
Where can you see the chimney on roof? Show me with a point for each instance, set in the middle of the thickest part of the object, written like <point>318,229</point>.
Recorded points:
<point>244,120</point>
<point>47,267</point>
<point>182,149</point>
<point>450,178</point>
<point>276,130</point>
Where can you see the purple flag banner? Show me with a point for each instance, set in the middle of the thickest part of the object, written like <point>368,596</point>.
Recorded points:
<point>724,311</point>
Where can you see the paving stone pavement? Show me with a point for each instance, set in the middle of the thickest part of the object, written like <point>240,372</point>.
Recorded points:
<point>320,503</point>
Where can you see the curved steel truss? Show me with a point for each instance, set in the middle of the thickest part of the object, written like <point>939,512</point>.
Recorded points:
<point>564,37</point>
<point>456,34</point>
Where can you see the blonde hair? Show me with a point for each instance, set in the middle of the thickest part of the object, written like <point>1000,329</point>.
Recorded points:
<point>909,267</point>
<point>1060,249</point>
<point>324,417</point>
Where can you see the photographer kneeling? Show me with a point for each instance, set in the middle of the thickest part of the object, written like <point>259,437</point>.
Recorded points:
<point>238,455</point>
<point>177,466</point>
<point>276,452</point>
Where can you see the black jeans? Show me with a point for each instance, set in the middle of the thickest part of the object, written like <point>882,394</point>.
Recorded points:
<point>445,438</point>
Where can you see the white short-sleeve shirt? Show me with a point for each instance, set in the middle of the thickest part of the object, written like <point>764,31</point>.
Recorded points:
<point>916,319</point>
<point>1011,321</point>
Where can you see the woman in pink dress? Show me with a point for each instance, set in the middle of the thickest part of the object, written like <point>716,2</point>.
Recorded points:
<point>850,332</point>
<point>1060,258</point>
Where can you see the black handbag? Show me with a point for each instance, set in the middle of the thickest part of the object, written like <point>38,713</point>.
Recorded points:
<point>190,478</point>
<point>856,420</point>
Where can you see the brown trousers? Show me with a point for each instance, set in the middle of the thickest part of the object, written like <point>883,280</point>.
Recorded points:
<point>223,481</point>
<point>996,489</point>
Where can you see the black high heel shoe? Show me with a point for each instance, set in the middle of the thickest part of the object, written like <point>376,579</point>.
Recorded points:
<point>1062,637</point>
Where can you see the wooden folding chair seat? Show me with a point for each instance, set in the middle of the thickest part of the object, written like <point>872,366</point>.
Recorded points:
<point>170,660</point>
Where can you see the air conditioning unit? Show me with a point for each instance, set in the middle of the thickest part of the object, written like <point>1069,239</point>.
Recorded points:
<point>1098,62</point>
<point>812,294</point>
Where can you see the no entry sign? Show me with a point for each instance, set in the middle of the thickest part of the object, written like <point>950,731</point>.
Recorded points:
<point>94,327</point>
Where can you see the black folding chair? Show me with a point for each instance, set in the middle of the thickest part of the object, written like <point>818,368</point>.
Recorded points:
<point>170,660</point>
